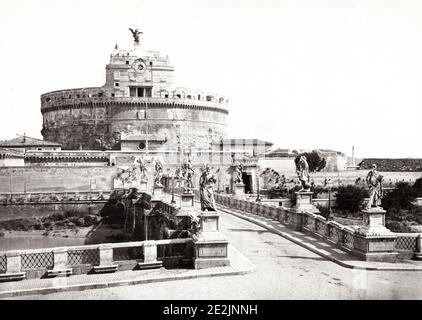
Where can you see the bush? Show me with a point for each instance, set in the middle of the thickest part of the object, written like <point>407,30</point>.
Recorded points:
<point>1,234</point>
<point>277,192</point>
<point>400,198</point>
<point>397,226</point>
<point>350,198</point>
<point>90,220</point>
<point>58,216</point>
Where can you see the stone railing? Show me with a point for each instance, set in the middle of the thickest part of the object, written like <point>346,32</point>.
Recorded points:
<point>62,102</point>
<point>92,258</point>
<point>344,237</point>
<point>54,197</point>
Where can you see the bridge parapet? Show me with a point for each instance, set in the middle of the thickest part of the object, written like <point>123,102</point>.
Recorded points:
<point>37,263</point>
<point>408,245</point>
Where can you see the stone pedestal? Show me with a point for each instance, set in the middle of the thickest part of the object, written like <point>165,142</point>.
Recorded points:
<point>187,200</point>
<point>418,253</point>
<point>158,192</point>
<point>13,267</point>
<point>60,263</point>
<point>106,260</point>
<point>373,241</point>
<point>239,191</point>
<point>143,186</point>
<point>210,246</point>
<point>303,204</point>
<point>374,222</point>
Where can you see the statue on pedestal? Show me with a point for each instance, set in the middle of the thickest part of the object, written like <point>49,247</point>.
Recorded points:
<point>135,34</point>
<point>142,168</point>
<point>206,190</point>
<point>374,181</point>
<point>303,174</point>
<point>187,174</point>
<point>158,174</point>
<point>237,174</point>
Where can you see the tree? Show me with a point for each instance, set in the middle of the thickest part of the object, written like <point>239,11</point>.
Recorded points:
<point>271,178</point>
<point>315,161</point>
<point>350,198</point>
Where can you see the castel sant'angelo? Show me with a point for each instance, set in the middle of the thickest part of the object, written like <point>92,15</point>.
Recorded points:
<point>89,134</point>
<point>139,104</point>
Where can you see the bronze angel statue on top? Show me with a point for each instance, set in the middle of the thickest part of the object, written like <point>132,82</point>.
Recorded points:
<point>135,34</point>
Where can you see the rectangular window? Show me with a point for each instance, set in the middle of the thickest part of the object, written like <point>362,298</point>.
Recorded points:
<point>148,92</point>
<point>116,84</point>
<point>132,91</point>
<point>140,92</point>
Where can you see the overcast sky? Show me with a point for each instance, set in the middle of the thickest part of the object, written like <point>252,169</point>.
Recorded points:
<point>299,73</point>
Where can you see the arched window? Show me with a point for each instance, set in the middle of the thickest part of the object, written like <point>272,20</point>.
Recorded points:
<point>221,100</point>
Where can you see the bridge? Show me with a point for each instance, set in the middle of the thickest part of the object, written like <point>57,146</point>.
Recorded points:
<point>291,261</point>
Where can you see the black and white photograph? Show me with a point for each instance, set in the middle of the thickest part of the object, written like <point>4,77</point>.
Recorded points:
<point>207,151</point>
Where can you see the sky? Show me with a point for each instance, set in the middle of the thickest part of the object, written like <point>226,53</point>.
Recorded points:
<point>303,74</point>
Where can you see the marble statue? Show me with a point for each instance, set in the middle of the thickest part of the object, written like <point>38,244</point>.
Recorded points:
<point>158,174</point>
<point>187,174</point>
<point>238,169</point>
<point>303,174</point>
<point>374,181</point>
<point>142,168</point>
<point>206,190</point>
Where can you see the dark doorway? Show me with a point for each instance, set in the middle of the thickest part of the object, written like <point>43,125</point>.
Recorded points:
<point>247,180</point>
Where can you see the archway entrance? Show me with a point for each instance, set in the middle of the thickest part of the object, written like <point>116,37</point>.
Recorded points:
<point>247,180</point>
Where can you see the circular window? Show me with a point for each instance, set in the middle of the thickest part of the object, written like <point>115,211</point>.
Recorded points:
<point>141,146</point>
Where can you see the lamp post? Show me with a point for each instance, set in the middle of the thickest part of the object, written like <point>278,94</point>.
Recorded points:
<point>258,199</point>
<point>173,176</point>
<point>330,213</point>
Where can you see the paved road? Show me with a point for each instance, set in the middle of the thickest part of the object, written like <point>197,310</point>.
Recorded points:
<point>284,271</point>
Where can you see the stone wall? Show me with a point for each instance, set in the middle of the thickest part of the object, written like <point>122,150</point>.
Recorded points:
<point>93,122</point>
<point>38,210</point>
<point>15,179</point>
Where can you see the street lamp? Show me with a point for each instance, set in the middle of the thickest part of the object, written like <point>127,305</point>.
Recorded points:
<point>330,213</point>
<point>173,176</point>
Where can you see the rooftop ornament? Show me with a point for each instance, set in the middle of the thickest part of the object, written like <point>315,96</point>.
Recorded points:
<point>135,34</point>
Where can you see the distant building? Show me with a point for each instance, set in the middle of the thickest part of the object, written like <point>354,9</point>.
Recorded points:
<point>255,147</point>
<point>390,165</point>
<point>11,158</point>
<point>139,99</point>
<point>24,143</point>
<point>335,160</point>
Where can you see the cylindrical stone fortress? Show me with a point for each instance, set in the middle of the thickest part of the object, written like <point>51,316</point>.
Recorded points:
<point>138,107</point>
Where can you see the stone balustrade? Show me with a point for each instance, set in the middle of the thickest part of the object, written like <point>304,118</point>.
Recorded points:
<point>54,197</point>
<point>91,258</point>
<point>409,245</point>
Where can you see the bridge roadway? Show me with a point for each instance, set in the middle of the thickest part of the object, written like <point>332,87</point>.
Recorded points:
<point>284,271</point>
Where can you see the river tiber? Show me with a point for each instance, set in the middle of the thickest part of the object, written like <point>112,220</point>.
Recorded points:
<point>139,179</point>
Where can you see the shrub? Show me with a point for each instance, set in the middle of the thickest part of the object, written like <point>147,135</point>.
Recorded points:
<point>350,198</point>
<point>1,234</point>
<point>277,192</point>
<point>400,198</point>
<point>397,226</point>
